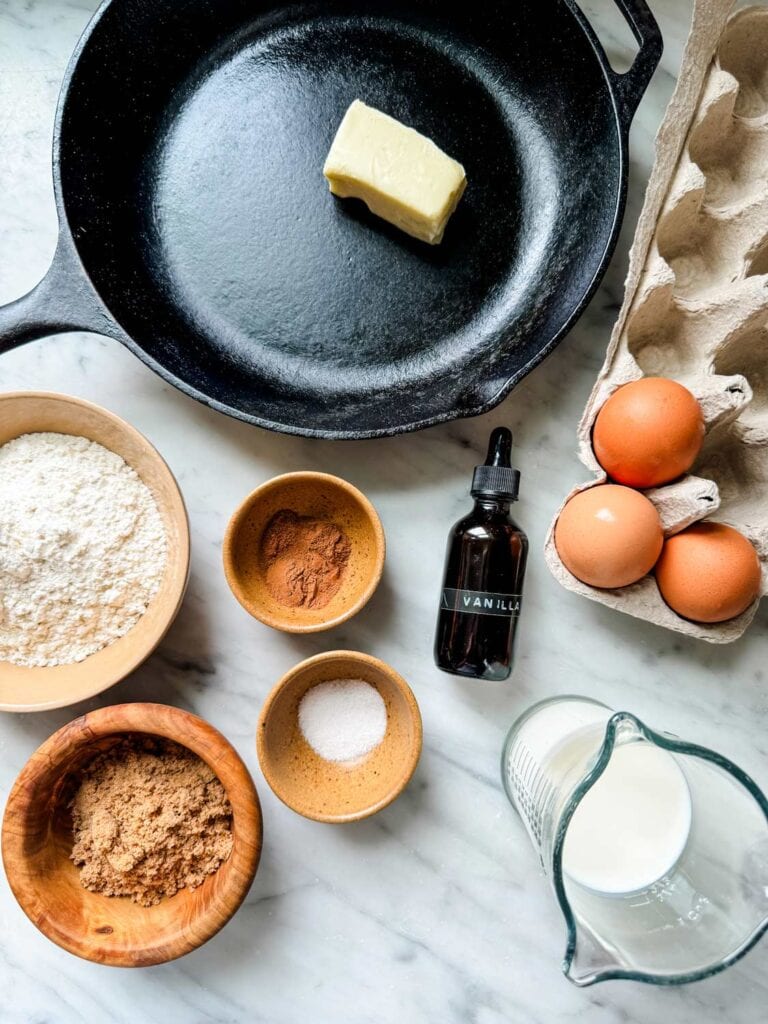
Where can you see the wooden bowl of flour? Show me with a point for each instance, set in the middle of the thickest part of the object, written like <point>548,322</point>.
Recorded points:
<point>338,791</point>
<point>37,840</point>
<point>25,688</point>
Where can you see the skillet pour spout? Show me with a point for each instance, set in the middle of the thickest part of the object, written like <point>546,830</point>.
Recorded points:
<point>196,227</point>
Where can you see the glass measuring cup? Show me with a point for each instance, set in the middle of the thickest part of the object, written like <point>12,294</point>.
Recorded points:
<point>709,904</point>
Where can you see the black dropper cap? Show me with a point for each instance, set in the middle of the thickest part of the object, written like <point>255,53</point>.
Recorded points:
<point>497,478</point>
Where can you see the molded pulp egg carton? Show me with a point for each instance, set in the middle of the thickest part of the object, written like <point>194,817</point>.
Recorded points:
<point>696,301</point>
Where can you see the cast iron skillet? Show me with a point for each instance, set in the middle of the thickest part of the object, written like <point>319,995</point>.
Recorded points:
<point>197,229</point>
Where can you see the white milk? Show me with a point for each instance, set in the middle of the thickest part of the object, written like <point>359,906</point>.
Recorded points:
<point>631,827</point>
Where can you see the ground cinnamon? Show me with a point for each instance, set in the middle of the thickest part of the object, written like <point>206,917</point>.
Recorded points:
<point>149,818</point>
<point>303,559</point>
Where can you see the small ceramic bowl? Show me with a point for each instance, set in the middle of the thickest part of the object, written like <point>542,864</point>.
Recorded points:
<point>327,790</point>
<point>318,496</point>
<point>37,841</point>
<point>37,689</point>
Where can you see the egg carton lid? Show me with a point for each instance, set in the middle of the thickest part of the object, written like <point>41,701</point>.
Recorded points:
<point>676,189</point>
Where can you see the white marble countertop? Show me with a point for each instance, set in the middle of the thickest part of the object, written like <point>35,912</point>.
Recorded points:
<point>435,910</point>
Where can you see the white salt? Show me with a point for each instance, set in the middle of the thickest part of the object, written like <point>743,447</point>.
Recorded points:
<point>343,720</point>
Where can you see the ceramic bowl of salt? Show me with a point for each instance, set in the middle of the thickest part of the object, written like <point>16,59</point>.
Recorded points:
<point>339,736</point>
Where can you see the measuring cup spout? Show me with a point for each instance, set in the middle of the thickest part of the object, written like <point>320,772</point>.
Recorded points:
<point>587,960</point>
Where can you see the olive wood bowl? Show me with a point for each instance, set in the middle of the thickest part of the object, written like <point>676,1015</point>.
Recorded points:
<point>37,841</point>
<point>318,496</point>
<point>332,791</point>
<point>24,688</point>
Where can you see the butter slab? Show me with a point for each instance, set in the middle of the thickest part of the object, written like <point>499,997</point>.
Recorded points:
<point>400,175</point>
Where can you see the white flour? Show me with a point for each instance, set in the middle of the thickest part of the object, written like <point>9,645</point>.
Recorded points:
<point>82,549</point>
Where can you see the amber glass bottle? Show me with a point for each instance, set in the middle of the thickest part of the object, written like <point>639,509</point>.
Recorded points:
<point>484,570</point>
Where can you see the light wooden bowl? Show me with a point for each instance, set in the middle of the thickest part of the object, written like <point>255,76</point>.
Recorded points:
<point>37,841</point>
<point>327,790</point>
<point>317,495</point>
<point>38,689</point>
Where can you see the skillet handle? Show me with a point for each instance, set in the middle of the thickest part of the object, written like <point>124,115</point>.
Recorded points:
<point>63,301</point>
<point>629,87</point>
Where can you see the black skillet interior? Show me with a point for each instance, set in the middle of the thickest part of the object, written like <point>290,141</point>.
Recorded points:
<point>191,145</point>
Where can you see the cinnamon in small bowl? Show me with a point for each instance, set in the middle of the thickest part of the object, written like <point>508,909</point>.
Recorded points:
<point>304,552</point>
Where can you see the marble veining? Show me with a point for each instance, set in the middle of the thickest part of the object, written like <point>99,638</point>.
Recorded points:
<point>435,910</point>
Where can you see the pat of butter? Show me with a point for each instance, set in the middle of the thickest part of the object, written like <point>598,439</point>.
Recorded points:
<point>400,175</point>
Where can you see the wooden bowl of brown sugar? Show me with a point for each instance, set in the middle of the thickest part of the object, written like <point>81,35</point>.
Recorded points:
<point>304,552</point>
<point>38,839</point>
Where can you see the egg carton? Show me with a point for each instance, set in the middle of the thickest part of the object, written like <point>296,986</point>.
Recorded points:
<point>696,300</point>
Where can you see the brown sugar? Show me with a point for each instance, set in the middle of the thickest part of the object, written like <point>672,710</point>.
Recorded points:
<point>149,818</point>
<point>303,559</point>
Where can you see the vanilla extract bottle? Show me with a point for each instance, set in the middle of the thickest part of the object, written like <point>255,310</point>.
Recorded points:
<point>484,571</point>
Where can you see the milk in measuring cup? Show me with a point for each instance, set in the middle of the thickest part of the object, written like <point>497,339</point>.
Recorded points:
<point>632,826</point>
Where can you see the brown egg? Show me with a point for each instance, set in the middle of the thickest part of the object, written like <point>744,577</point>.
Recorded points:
<point>608,536</point>
<point>709,573</point>
<point>648,432</point>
